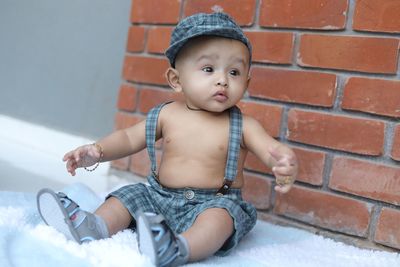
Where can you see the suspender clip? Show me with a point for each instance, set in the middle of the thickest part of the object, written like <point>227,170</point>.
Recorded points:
<point>225,187</point>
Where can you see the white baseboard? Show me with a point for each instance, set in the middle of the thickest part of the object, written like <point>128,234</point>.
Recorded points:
<point>39,150</point>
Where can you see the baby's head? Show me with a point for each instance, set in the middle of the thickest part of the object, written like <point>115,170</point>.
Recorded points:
<point>201,24</point>
<point>210,61</point>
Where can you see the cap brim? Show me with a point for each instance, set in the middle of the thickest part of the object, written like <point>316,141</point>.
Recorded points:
<point>230,33</point>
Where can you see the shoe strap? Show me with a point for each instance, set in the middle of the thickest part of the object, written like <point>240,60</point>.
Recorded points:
<point>70,206</point>
<point>168,244</point>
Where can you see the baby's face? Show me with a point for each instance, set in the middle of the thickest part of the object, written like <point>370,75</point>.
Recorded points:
<point>213,72</point>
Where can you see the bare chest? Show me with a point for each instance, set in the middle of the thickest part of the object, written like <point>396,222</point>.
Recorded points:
<point>207,137</point>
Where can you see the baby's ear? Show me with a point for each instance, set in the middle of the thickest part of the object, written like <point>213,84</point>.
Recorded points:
<point>248,82</point>
<point>172,76</point>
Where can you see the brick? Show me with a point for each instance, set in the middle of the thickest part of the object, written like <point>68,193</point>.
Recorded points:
<point>269,116</point>
<point>145,69</point>
<point>160,11</point>
<point>125,120</point>
<point>312,88</point>
<point>257,190</point>
<point>135,39</point>
<point>325,210</point>
<point>375,96</point>
<point>127,98</point>
<point>388,230</point>
<point>254,164</point>
<point>271,47</point>
<point>371,180</point>
<point>140,162</point>
<point>396,144</point>
<point>306,14</point>
<point>311,166</point>
<point>242,11</point>
<point>149,98</point>
<point>348,53</point>
<point>158,39</point>
<point>377,16</point>
<point>356,135</point>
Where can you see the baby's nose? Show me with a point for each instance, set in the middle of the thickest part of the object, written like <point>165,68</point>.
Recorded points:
<point>222,80</point>
<point>223,84</point>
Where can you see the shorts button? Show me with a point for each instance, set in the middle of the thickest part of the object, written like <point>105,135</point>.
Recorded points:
<point>189,194</point>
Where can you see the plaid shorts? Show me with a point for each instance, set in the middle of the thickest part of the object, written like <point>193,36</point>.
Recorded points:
<point>180,207</point>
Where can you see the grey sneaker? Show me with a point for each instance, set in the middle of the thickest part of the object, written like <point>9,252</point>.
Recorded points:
<point>158,242</point>
<point>59,211</point>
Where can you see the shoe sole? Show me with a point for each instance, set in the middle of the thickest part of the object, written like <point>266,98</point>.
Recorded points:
<point>54,214</point>
<point>146,241</point>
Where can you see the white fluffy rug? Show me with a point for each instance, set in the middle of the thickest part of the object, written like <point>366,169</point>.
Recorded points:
<point>26,241</point>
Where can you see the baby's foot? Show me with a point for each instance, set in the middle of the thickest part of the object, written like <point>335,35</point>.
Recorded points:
<point>59,211</point>
<point>158,242</point>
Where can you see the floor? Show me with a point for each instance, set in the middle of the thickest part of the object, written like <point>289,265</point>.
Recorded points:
<point>31,158</point>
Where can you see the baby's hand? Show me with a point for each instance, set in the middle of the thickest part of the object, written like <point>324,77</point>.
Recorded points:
<point>285,170</point>
<point>83,156</point>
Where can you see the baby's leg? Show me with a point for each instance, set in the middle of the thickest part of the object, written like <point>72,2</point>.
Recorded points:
<point>206,236</point>
<point>66,216</point>
<point>114,214</point>
<point>208,233</point>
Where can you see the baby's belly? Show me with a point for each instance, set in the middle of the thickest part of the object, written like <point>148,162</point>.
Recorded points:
<point>194,176</point>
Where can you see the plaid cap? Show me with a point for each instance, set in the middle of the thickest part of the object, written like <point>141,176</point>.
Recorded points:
<point>202,24</point>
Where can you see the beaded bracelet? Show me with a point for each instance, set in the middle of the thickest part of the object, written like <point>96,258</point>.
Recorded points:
<point>100,150</point>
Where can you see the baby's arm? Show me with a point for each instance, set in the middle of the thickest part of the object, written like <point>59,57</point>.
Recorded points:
<point>117,145</point>
<point>280,158</point>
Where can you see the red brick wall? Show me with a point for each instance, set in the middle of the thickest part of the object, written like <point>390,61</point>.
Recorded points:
<point>325,81</point>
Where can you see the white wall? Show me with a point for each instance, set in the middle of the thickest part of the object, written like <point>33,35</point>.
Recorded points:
<point>61,62</point>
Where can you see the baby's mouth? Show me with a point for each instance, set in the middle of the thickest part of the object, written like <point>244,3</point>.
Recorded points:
<point>220,96</point>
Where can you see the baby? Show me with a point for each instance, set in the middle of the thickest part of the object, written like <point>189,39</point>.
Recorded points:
<point>192,207</point>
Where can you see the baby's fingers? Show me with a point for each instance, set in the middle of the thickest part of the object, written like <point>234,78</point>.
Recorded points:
<point>286,161</point>
<point>68,156</point>
<point>282,170</point>
<point>284,183</point>
<point>283,189</point>
<point>71,167</point>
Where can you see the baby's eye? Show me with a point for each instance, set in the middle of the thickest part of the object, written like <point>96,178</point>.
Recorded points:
<point>207,69</point>
<point>234,72</point>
